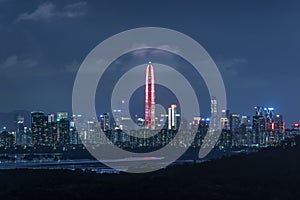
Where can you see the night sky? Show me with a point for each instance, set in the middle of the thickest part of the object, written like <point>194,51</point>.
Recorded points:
<point>255,45</point>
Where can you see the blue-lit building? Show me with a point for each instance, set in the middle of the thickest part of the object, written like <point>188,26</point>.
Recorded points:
<point>105,122</point>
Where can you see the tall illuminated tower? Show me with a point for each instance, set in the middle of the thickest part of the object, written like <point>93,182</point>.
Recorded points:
<point>150,96</point>
<point>214,113</point>
<point>172,117</point>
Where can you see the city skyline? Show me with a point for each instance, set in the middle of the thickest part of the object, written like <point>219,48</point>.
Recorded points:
<point>218,122</point>
<point>171,99</point>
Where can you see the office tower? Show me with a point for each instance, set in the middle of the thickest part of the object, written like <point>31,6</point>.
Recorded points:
<point>172,117</point>
<point>105,122</point>
<point>278,118</point>
<point>201,131</point>
<point>53,134</point>
<point>224,120</point>
<point>259,111</point>
<point>296,126</point>
<point>259,129</point>
<point>39,128</point>
<point>117,113</point>
<point>126,124</point>
<point>81,126</point>
<point>52,129</point>
<point>195,123</point>
<point>74,135</point>
<point>63,132</point>
<point>62,115</point>
<point>7,140</point>
<point>51,118</point>
<point>269,114</point>
<point>278,124</point>
<point>234,122</point>
<point>92,131</point>
<point>20,133</point>
<point>258,124</point>
<point>245,120</point>
<point>150,101</point>
<point>214,123</point>
<point>245,130</point>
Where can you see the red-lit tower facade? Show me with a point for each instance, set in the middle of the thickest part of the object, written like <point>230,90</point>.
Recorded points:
<point>150,96</point>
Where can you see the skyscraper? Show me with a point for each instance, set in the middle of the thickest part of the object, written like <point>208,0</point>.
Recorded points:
<point>62,115</point>
<point>224,120</point>
<point>259,128</point>
<point>74,137</point>
<point>105,122</point>
<point>150,96</point>
<point>214,113</point>
<point>172,119</point>
<point>7,139</point>
<point>20,130</point>
<point>234,122</point>
<point>63,131</point>
<point>39,128</point>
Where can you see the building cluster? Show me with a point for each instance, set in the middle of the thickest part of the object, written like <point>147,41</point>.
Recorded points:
<point>264,129</point>
<point>45,131</point>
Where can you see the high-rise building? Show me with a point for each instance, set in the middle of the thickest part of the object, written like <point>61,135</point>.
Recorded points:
<point>117,114</point>
<point>278,124</point>
<point>246,121</point>
<point>51,118</point>
<point>224,120</point>
<point>74,136</point>
<point>234,122</point>
<point>258,124</point>
<point>80,126</point>
<point>259,129</point>
<point>214,123</point>
<point>20,133</point>
<point>7,140</point>
<point>150,101</point>
<point>63,131</point>
<point>296,126</point>
<point>62,115</point>
<point>53,134</point>
<point>52,129</point>
<point>172,117</point>
<point>269,114</point>
<point>245,126</point>
<point>93,130</point>
<point>39,128</point>
<point>259,111</point>
<point>105,122</point>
